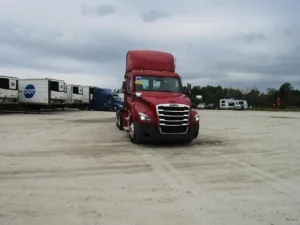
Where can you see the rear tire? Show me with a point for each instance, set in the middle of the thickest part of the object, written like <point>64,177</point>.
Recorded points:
<point>119,120</point>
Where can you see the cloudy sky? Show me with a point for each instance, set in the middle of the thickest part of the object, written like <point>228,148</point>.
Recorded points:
<point>237,43</point>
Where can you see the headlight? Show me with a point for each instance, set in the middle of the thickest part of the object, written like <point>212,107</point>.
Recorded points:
<point>144,117</point>
<point>196,118</point>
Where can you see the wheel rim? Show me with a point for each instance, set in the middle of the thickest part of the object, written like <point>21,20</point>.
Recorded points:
<point>131,130</point>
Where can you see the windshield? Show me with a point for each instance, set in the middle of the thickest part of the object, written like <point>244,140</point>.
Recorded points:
<point>155,83</point>
<point>116,97</point>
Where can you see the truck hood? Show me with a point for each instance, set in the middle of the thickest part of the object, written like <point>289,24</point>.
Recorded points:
<point>119,102</point>
<point>156,98</point>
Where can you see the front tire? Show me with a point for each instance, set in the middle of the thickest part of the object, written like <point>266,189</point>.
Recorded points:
<point>114,108</point>
<point>119,120</point>
<point>134,137</point>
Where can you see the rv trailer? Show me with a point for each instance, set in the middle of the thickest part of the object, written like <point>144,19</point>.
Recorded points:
<point>240,105</point>
<point>227,103</point>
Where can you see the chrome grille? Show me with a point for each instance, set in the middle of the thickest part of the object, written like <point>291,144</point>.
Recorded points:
<point>173,114</point>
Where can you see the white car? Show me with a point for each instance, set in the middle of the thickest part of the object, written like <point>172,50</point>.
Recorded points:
<point>201,106</point>
<point>238,107</point>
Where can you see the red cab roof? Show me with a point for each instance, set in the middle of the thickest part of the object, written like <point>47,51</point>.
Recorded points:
<point>149,60</point>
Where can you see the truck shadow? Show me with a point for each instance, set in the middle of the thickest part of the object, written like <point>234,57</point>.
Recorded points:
<point>29,112</point>
<point>95,120</point>
<point>204,141</point>
<point>284,117</point>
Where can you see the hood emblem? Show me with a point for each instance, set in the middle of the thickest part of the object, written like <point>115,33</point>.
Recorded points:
<point>173,105</point>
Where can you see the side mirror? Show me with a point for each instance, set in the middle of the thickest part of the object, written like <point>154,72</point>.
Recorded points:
<point>189,88</point>
<point>185,89</point>
<point>138,94</point>
<point>124,86</point>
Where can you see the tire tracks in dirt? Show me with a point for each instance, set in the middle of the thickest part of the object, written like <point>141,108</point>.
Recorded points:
<point>260,174</point>
<point>202,205</point>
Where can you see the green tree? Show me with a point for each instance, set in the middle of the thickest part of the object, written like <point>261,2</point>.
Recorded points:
<point>285,91</point>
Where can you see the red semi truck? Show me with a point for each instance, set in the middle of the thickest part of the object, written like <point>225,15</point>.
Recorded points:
<point>156,105</point>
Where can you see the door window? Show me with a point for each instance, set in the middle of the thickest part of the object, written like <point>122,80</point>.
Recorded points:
<point>130,85</point>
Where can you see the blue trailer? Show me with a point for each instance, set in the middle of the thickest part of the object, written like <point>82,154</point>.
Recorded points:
<point>106,99</point>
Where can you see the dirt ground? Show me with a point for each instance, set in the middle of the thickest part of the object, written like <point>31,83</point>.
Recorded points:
<point>76,167</point>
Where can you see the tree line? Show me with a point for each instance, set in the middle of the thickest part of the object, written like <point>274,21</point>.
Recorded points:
<point>289,96</point>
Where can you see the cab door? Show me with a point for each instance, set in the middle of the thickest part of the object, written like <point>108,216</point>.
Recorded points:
<point>129,95</point>
<point>129,92</point>
<point>109,101</point>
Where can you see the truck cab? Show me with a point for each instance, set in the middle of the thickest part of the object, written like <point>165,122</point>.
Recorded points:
<point>105,99</point>
<point>156,105</point>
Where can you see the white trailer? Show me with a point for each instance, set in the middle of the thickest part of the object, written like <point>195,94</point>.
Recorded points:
<point>87,97</point>
<point>227,103</point>
<point>74,95</point>
<point>233,104</point>
<point>41,93</point>
<point>8,92</point>
<point>245,104</point>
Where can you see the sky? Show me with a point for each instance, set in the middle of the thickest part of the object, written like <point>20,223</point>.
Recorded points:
<point>232,43</point>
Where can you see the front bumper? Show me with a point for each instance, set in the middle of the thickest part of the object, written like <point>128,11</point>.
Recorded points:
<point>152,132</point>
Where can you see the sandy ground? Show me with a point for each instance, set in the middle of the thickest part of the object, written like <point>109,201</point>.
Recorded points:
<point>78,168</point>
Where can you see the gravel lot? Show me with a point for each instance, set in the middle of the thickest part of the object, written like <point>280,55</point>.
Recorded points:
<point>76,167</point>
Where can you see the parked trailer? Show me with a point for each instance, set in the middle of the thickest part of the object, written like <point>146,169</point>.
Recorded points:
<point>87,98</point>
<point>35,94</point>
<point>74,95</point>
<point>8,92</point>
<point>227,103</point>
<point>233,104</point>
